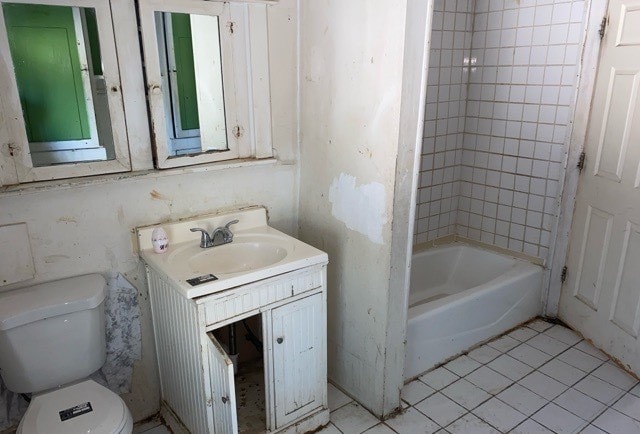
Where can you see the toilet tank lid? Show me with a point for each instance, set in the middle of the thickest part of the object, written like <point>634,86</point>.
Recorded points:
<point>26,305</point>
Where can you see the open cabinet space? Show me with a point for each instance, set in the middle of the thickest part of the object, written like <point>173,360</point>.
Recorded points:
<point>242,343</point>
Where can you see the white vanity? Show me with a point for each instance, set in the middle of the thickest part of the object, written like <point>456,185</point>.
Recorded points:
<point>261,272</point>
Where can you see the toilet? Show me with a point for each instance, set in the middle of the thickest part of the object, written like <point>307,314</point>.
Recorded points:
<point>52,337</point>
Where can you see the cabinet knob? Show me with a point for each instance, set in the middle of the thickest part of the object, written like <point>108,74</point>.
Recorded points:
<point>280,340</point>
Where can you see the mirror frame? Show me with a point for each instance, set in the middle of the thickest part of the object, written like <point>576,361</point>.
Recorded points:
<point>12,125</point>
<point>245,77</point>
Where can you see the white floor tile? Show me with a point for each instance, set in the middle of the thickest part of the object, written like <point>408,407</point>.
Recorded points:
<point>499,414</point>
<point>580,404</point>
<point>547,344</point>
<point>580,359</point>
<point>484,354</point>
<point>522,399</point>
<point>563,334</point>
<point>510,367</point>
<point>440,409</point>
<point>530,426</point>
<point>586,347</point>
<point>462,365</point>
<point>470,424</point>
<point>635,391</point>
<point>140,428</point>
<point>522,334</point>
<point>563,372</point>
<point>615,422</point>
<point>466,394</point>
<point>329,429</point>
<point>529,355</point>
<point>558,419</point>
<point>598,389</point>
<point>489,380</point>
<point>380,429</point>
<point>539,325</point>
<point>412,422</point>
<point>612,374</point>
<point>353,418</point>
<point>592,429</point>
<point>544,386</point>
<point>438,378</point>
<point>415,392</point>
<point>504,344</point>
<point>630,405</point>
<point>336,397</point>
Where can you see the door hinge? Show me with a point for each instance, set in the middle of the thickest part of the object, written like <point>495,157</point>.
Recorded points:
<point>12,149</point>
<point>603,27</point>
<point>563,276</point>
<point>580,164</point>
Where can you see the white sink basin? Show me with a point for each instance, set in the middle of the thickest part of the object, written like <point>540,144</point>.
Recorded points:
<point>257,252</point>
<point>238,256</point>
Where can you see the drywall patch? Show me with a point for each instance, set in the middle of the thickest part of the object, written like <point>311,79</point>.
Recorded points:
<point>361,208</point>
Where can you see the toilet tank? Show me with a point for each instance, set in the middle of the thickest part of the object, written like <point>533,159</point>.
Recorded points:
<point>52,334</point>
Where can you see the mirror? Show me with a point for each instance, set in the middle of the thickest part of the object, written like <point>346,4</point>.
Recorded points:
<point>191,72</point>
<point>58,67</point>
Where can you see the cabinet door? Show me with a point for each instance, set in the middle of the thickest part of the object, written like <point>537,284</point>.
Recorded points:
<point>299,358</point>
<point>223,391</point>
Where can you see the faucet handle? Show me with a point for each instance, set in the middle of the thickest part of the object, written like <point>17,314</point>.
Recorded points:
<point>232,222</point>
<point>205,239</point>
<point>228,235</point>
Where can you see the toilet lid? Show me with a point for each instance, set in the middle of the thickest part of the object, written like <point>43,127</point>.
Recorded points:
<point>86,408</point>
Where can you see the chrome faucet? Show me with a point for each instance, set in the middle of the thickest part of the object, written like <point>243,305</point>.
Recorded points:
<point>219,236</point>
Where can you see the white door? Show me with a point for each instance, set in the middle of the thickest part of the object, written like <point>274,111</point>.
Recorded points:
<point>223,392</point>
<point>601,297</point>
<point>299,363</point>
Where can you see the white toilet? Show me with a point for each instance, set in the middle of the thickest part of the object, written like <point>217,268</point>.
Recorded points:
<point>52,337</point>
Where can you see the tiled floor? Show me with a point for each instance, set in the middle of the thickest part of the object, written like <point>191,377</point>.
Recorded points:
<point>541,378</point>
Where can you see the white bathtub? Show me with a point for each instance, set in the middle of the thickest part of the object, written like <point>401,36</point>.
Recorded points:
<point>462,295</point>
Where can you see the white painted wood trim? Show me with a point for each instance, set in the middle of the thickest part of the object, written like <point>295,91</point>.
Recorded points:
<point>233,37</point>
<point>24,167</point>
<point>414,87</point>
<point>125,27</point>
<point>180,350</point>
<point>552,287</point>
<point>260,81</point>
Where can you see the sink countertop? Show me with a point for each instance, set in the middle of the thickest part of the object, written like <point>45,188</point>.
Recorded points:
<point>177,263</point>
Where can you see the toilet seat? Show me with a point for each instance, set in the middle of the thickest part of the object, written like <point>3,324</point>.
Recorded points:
<point>86,407</point>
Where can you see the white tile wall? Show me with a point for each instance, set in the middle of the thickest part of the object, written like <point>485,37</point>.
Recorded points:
<point>523,58</point>
<point>444,119</point>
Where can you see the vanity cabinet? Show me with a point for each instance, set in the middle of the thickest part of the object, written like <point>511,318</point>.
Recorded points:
<point>197,375</point>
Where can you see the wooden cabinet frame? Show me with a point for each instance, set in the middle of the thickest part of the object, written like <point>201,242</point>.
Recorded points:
<point>195,373</point>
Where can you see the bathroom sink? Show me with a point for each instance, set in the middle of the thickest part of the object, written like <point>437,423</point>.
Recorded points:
<point>239,256</point>
<point>257,252</point>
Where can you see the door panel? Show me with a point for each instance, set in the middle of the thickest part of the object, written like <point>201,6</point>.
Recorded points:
<point>223,391</point>
<point>596,238</point>
<point>44,49</point>
<point>601,297</point>
<point>297,332</point>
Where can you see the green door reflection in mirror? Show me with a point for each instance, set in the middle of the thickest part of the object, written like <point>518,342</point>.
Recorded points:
<point>191,70</point>
<point>185,71</point>
<point>57,64</point>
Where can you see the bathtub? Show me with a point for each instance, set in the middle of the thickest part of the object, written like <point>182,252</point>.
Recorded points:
<point>461,295</point>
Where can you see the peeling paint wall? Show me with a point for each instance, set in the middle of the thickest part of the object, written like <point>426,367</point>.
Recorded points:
<point>351,81</point>
<point>83,229</point>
